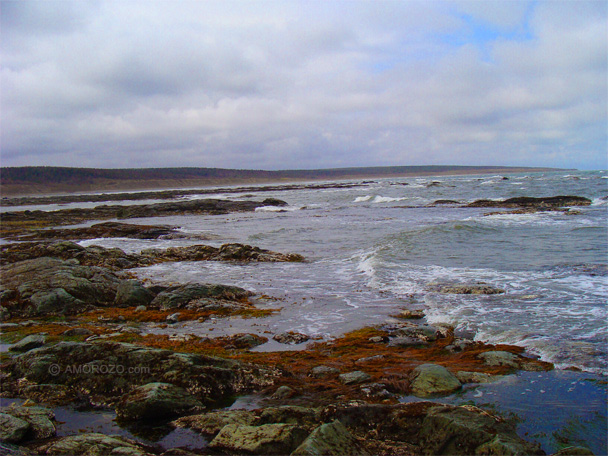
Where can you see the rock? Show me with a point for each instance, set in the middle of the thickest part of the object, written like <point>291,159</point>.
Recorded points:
<point>291,338</point>
<point>324,371</point>
<point>290,414</point>
<point>38,418</point>
<point>378,339</point>
<point>173,318</point>
<point>132,293</point>
<point>477,377</point>
<point>283,392</point>
<point>406,342</point>
<point>211,423</point>
<point>500,358</point>
<point>459,345</point>
<point>93,444</point>
<point>476,289</point>
<point>268,439</point>
<point>369,359</point>
<point>469,430</point>
<point>432,379</point>
<point>12,429</point>
<point>52,286</point>
<point>574,451</point>
<point>156,400</point>
<point>8,449</point>
<point>530,202</point>
<point>120,367</point>
<point>78,332</point>
<point>355,377</point>
<point>412,314</point>
<point>249,341</point>
<point>376,390</point>
<point>28,343</point>
<point>181,295</point>
<point>330,439</point>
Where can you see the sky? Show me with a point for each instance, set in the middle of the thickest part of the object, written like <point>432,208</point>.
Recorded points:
<point>303,84</point>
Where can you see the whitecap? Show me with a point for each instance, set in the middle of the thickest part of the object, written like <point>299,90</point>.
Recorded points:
<point>277,209</point>
<point>360,199</point>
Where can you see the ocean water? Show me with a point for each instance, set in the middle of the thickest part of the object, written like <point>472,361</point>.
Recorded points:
<point>374,249</point>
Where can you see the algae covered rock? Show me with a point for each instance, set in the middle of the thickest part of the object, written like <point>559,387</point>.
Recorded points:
<point>156,400</point>
<point>12,429</point>
<point>269,439</point>
<point>330,439</point>
<point>355,377</point>
<point>132,293</point>
<point>39,420</point>
<point>433,379</point>
<point>211,423</point>
<point>181,295</point>
<point>93,444</point>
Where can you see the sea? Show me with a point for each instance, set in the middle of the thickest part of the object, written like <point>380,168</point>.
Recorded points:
<point>380,246</point>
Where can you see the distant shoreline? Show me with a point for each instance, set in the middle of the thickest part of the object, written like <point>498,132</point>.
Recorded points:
<point>31,181</point>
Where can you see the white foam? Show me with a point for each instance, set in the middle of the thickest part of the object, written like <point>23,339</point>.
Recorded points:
<point>360,199</point>
<point>386,199</point>
<point>277,209</point>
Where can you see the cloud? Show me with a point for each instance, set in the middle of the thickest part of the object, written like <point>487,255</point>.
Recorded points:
<point>303,84</point>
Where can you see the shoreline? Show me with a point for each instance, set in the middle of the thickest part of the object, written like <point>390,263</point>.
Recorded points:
<point>47,189</point>
<point>388,355</point>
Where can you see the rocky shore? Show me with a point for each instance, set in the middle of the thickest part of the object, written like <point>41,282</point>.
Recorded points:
<point>76,322</point>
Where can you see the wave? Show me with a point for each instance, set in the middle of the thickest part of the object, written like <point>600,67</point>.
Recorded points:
<point>277,209</point>
<point>377,199</point>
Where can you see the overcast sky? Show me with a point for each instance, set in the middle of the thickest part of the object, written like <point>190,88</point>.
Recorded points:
<point>304,84</point>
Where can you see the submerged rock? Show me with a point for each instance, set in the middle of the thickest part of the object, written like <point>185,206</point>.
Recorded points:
<point>476,289</point>
<point>291,338</point>
<point>530,202</point>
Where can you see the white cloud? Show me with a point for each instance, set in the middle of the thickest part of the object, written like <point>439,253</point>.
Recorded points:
<point>301,84</point>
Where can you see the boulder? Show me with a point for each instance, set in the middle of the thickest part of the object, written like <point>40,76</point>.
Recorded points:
<point>155,401</point>
<point>39,419</point>
<point>473,289</point>
<point>12,429</point>
<point>290,414</point>
<point>574,451</point>
<point>117,368</point>
<point>283,392</point>
<point>45,286</point>
<point>268,439</point>
<point>433,380</point>
<point>355,377</point>
<point>448,430</point>
<point>28,343</point>
<point>131,293</point>
<point>330,439</point>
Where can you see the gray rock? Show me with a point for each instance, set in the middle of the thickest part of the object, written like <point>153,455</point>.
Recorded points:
<point>412,314</point>
<point>330,439</point>
<point>28,343</point>
<point>249,341</point>
<point>211,423</point>
<point>140,309</point>
<point>12,429</point>
<point>173,318</point>
<point>432,379</point>
<point>78,332</point>
<point>182,295</point>
<point>132,293</point>
<point>289,414</point>
<point>355,377</point>
<point>269,439</point>
<point>406,341</point>
<point>53,286</point>
<point>291,338</point>
<point>370,359</point>
<point>38,418</point>
<point>8,449</point>
<point>156,400</point>
<point>475,289</point>
<point>500,358</point>
<point>324,371</point>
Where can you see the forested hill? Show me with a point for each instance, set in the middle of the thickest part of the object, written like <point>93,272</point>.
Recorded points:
<point>45,179</point>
